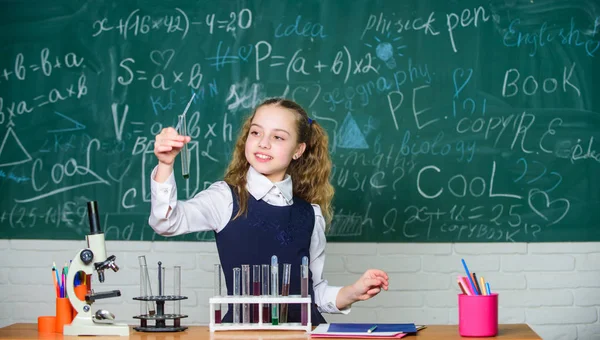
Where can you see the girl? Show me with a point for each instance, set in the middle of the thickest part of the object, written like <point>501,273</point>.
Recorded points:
<point>275,200</point>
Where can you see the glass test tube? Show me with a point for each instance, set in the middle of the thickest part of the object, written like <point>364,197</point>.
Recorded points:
<point>255,290</point>
<point>304,290</point>
<point>274,289</point>
<point>160,308</point>
<point>245,292</point>
<point>150,307</point>
<point>143,290</point>
<point>217,292</point>
<point>266,290</point>
<point>177,289</point>
<point>185,162</point>
<point>285,291</point>
<point>236,292</point>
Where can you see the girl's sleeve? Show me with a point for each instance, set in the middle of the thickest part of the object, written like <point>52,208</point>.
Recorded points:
<point>325,295</point>
<point>209,210</point>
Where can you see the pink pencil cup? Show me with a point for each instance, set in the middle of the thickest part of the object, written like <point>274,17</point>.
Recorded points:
<point>478,315</point>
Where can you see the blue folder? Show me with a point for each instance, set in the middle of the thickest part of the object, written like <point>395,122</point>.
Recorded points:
<point>364,327</point>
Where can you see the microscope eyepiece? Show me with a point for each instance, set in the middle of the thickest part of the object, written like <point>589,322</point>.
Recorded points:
<point>94,218</point>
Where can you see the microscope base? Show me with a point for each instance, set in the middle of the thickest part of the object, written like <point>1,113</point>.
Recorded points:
<point>88,327</point>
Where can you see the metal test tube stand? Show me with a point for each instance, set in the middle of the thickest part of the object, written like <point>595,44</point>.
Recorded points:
<point>160,317</point>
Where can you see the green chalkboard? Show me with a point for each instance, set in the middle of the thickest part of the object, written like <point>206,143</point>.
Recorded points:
<point>449,121</point>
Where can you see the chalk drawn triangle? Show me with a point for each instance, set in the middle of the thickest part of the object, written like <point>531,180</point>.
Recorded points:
<point>350,136</point>
<point>12,145</point>
<point>77,125</point>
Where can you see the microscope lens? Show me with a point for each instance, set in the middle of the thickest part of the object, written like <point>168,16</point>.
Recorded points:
<point>94,218</point>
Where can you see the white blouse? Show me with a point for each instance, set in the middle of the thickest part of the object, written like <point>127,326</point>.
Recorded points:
<point>211,209</point>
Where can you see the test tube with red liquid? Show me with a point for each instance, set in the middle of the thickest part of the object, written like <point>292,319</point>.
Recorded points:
<point>255,290</point>
<point>266,290</point>
<point>285,291</point>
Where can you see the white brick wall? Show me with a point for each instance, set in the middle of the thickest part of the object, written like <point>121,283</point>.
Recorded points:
<point>553,287</point>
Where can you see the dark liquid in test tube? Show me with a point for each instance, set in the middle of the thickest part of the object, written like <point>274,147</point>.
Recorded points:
<point>285,291</point>
<point>266,290</point>
<point>266,314</point>
<point>218,316</point>
<point>255,292</point>
<point>304,308</point>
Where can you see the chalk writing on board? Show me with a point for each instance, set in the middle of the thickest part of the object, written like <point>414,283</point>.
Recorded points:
<point>451,122</point>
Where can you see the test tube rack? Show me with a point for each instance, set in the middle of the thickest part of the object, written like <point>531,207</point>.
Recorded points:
<point>260,300</point>
<point>159,318</point>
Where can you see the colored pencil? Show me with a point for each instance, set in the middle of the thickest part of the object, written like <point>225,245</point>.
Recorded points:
<point>483,286</point>
<point>476,284</point>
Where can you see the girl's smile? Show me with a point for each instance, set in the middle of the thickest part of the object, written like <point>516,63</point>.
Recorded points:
<point>262,157</point>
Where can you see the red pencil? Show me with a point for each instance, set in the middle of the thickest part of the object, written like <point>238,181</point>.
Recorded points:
<point>55,282</point>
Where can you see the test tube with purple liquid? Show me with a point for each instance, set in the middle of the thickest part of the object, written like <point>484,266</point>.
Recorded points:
<point>266,277</point>
<point>255,290</point>
<point>285,291</point>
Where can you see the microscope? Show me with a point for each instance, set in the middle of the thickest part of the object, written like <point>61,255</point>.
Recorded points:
<point>93,258</point>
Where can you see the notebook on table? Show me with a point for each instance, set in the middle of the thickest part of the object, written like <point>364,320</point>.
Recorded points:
<point>361,330</point>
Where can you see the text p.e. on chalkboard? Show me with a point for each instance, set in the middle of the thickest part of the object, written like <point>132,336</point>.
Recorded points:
<point>464,121</point>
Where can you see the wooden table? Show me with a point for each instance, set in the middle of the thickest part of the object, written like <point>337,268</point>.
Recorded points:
<point>435,332</point>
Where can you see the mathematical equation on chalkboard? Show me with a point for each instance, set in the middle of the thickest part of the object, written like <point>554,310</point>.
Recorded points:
<point>434,137</point>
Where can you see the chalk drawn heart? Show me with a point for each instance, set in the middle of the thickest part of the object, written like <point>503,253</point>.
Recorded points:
<point>457,88</point>
<point>243,54</point>
<point>548,203</point>
<point>162,58</point>
<point>116,171</point>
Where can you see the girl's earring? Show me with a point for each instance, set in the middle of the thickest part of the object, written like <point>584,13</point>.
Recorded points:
<point>295,157</point>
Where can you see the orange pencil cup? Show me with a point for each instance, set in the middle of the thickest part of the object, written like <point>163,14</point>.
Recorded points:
<point>80,292</point>
<point>478,315</point>
<point>64,313</point>
<point>46,324</point>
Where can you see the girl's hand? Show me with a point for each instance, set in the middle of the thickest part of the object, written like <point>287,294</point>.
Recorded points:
<point>370,284</point>
<point>367,286</point>
<point>167,145</point>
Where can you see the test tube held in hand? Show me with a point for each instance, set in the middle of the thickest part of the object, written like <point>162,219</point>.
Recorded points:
<point>236,292</point>
<point>185,163</point>
<point>151,308</point>
<point>285,291</point>
<point>266,290</point>
<point>245,292</point>
<point>274,289</point>
<point>182,130</point>
<point>255,290</point>
<point>217,292</point>
<point>304,290</point>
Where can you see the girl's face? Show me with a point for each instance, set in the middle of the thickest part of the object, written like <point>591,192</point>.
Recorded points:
<point>272,141</point>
